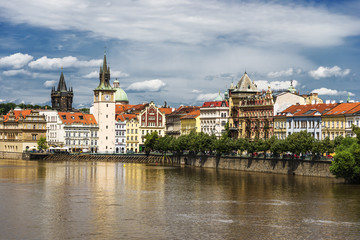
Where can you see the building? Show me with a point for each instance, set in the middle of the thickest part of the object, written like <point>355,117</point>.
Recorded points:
<point>54,128</point>
<point>256,116</point>
<point>335,123</point>
<point>190,122</point>
<point>20,130</point>
<point>120,133</point>
<point>243,89</point>
<point>173,123</point>
<point>151,119</point>
<point>104,110</point>
<point>352,117</point>
<point>80,131</point>
<point>306,118</point>
<point>213,117</point>
<point>62,97</point>
<point>132,134</point>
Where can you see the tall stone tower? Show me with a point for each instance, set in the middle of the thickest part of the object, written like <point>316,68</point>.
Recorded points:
<point>62,98</point>
<point>104,110</point>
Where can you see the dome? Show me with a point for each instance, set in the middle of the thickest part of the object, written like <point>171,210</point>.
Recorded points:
<point>120,94</point>
<point>218,98</point>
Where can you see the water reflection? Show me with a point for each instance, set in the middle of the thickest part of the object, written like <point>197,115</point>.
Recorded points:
<point>76,200</point>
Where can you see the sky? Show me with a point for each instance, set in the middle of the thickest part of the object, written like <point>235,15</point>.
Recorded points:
<point>183,52</point>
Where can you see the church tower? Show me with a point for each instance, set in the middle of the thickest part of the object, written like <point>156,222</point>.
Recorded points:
<point>104,110</point>
<point>62,98</point>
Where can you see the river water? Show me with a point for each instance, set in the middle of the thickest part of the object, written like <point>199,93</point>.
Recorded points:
<point>112,200</point>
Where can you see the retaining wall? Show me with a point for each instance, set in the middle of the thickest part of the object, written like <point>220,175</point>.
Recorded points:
<point>10,155</point>
<point>282,166</point>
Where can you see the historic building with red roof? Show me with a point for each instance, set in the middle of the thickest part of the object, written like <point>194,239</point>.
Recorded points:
<point>213,117</point>
<point>20,130</point>
<point>173,123</point>
<point>79,131</point>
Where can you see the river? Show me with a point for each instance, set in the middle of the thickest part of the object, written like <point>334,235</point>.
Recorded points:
<point>113,200</point>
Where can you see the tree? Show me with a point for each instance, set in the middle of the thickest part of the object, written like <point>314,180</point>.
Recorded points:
<point>300,142</point>
<point>277,147</point>
<point>346,163</point>
<point>328,145</point>
<point>150,141</point>
<point>42,143</point>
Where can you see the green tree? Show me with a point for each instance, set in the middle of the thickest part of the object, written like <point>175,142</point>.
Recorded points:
<point>151,141</point>
<point>277,147</point>
<point>300,142</point>
<point>42,143</point>
<point>346,163</point>
<point>328,145</point>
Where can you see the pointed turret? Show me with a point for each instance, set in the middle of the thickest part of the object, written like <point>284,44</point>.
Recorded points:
<point>62,84</point>
<point>104,76</point>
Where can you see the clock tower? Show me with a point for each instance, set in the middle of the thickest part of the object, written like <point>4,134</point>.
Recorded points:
<point>104,110</point>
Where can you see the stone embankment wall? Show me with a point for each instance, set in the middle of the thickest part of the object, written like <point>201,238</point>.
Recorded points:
<point>10,155</point>
<point>282,166</point>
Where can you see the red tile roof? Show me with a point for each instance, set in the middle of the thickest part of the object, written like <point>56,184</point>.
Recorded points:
<point>182,110</point>
<point>77,117</point>
<point>17,114</point>
<point>215,104</point>
<point>308,110</point>
<point>354,110</point>
<point>166,111</point>
<point>132,108</point>
<point>123,117</point>
<point>191,115</point>
<point>342,108</point>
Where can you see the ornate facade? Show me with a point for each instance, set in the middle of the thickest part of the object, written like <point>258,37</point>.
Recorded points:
<point>20,130</point>
<point>62,98</point>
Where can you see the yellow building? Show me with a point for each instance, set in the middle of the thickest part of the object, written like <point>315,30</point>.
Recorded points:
<point>334,121</point>
<point>20,130</point>
<point>280,126</point>
<point>190,122</point>
<point>132,134</point>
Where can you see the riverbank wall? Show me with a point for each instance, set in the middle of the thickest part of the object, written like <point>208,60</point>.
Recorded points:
<point>11,155</point>
<point>318,168</point>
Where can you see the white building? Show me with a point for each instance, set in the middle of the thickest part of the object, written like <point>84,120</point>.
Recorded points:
<point>104,111</point>
<point>120,134</point>
<point>54,128</point>
<point>80,131</point>
<point>213,117</point>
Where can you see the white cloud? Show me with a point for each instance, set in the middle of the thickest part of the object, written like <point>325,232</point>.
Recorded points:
<point>118,74</point>
<point>196,91</point>
<point>114,74</point>
<point>326,91</point>
<point>45,63</point>
<point>284,73</point>
<point>154,85</point>
<point>50,83</point>
<point>94,74</point>
<point>275,85</point>
<point>190,21</point>
<point>17,60</point>
<point>324,72</point>
<point>10,73</point>
<point>206,97</point>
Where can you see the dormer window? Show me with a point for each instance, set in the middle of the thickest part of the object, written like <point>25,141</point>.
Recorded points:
<point>63,117</point>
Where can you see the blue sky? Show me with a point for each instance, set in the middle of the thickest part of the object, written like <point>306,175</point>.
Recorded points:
<point>179,51</point>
